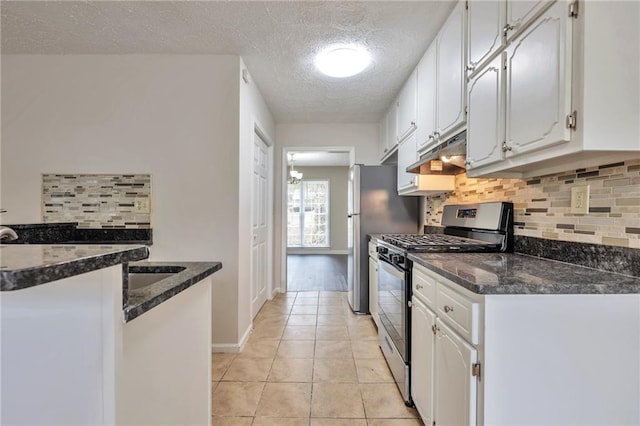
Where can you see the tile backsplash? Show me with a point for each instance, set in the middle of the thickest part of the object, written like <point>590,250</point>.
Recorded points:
<point>96,200</point>
<point>542,204</point>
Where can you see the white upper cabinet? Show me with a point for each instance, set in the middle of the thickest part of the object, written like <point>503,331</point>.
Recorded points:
<point>485,123</point>
<point>391,140</point>
<point>382,136</point>
<point>450,77</point>
<point>538,91</point>
<point>414,184</point>
<point>407,107</point>
<point>485,26</point>
<point>561,95</point>
<point>426,100</point>
<point>522,12</point>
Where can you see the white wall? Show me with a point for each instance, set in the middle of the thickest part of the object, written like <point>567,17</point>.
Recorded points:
<point>338,178</point>
<point>173,116</point>
<point>362,136</point>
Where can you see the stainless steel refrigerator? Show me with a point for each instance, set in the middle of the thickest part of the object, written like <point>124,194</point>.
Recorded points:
<point>374,207</point>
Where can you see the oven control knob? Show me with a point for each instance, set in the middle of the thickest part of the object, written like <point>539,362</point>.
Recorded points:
<point>397,259</point>
<point>382,250</point>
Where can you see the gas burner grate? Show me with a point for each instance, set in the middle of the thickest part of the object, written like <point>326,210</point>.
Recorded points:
<point>433,242</point>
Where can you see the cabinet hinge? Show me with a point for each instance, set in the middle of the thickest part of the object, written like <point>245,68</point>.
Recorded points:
<point>504,63</point>
<point>573,9</point>
<point>466,110</point>
<point>476,370</point>
<point>572,120</point>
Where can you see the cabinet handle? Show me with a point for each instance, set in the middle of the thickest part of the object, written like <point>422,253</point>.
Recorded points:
<point>448,308</point>
<point>505,147</point>
<point>413,124</point>
<point>418,286</point>
<point>506,29</point>
<point>435,328</point>
<point>470,67</point>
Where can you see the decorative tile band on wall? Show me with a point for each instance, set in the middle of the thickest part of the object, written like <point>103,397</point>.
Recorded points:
<point>96,201</point>
<point>542,204</point>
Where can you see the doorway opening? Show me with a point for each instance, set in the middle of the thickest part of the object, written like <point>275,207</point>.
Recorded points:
<point>315,218</point>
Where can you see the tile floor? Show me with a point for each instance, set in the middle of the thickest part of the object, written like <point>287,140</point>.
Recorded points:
<point>309,361</point>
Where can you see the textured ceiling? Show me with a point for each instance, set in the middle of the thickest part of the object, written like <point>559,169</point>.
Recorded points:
<point>278,41</point>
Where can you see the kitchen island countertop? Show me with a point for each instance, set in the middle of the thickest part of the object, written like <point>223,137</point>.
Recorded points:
<point>512,273</point>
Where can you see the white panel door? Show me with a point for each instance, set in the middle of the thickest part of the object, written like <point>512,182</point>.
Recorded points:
<point>538,97</point>
<point>451,79</point>
<point>485,124</point>
<point>486,20</point>
<point>422,354</point>
<point>455,388</point>
<point>426,99</point>
<point>260,225</point>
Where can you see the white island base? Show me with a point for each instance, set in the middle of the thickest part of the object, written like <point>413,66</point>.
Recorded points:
<point>68,357</point>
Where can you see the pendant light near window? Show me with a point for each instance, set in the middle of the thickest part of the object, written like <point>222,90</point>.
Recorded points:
<point>294,176</point>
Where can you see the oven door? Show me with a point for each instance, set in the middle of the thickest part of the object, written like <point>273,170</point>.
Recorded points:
<point>392,304</point>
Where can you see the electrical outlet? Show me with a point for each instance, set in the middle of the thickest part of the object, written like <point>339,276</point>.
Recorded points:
<point>580,199</point>
<point>141,205</point>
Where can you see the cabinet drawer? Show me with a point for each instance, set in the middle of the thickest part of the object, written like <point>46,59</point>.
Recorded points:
<point>372,250</point>
<point>461,313</point>
<point>424,286</point>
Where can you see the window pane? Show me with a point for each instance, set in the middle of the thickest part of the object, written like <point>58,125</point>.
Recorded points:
<point>307,217</point>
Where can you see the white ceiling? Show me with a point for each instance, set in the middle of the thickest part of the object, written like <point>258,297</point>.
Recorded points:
<point>277,39</point>
<point>318,158</point>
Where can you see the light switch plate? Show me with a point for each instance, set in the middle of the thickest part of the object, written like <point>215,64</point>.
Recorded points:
<point>580,199</point>
<point>142,205</point>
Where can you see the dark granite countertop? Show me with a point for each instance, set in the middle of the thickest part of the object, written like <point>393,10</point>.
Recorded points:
<point>70,233</point>
<point>23,266</point>
<point>504,273</point>
<point>140,300</point>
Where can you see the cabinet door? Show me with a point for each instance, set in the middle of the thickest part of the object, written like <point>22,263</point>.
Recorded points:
<point>392,126</point>
<point>373,289</point>
<point>426,100</point>
<point>485,124</point>
<point>407,155</point>
<point>451,93</point>
<point>521,13</point>
<point>382,136</point>
<point>538,97</point>
<point>486,20</point>
<point>455,387</point>
<point>422,353</point>
<point>407,106</point>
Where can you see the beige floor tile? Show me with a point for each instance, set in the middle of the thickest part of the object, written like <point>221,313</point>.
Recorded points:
<point>236,398</point>
<point>332,294</point>
<point>306,301</point>
<point>373,371</point>
<point>214,385</point>
<point>366,349</point>
<point>220,363</point>
<point>304,310</point>
<point>271,320</point>
<point>298,370</point>
<point>267,332</point>
<point>341,400</point>
<point>332,332</point>
<point>265,348</point>
<point>333,349</point>
<point>296,349</point>
<point>334,370</point>
<point>231,421</point>
<point>331,310</point>
<point>307,294</point>
<point>395,422</point>
<point>363,331</point>
<point>280,421</point>
<point>332,320</point>
<point>299,332</point>
<point>285,400</point>
<point>338,422</point>
<point>302,320</point>
<point>383,401</point>
<point>248,370</point>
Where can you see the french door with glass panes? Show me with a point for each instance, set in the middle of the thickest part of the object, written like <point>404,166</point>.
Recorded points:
<point>308,214</point>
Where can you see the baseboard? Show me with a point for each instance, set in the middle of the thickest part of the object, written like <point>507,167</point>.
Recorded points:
<point>316,251</point>
<point>232,347</point>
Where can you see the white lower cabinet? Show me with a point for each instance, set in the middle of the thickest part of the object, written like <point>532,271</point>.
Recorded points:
<point>373,289</point>
<point>532,351</point>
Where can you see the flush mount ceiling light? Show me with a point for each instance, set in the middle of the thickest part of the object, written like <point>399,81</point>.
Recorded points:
<point>343,61</point>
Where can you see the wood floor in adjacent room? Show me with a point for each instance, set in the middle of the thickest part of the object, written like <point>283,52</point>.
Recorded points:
<point>316,272</point>
<point>309,361</point>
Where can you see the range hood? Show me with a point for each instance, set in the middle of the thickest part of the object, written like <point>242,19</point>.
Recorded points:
<point>448,158</point>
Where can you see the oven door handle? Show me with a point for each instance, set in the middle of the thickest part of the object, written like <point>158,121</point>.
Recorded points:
<point>392,269</point>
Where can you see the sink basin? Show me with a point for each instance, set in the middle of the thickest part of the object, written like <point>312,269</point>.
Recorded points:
<point>143,276</point>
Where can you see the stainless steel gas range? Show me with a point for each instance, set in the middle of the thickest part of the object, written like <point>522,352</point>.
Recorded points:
<point>483,227</point>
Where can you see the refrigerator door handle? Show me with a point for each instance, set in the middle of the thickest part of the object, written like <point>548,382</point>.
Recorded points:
<point>350,215</point>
